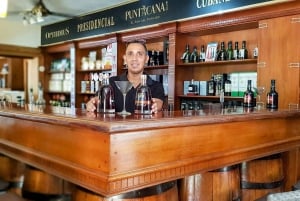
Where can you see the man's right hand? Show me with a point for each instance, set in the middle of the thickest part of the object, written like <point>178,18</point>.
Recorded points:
<point>91,105</point>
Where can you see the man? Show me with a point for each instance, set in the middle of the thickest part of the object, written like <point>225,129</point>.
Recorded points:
<point>135,58</point>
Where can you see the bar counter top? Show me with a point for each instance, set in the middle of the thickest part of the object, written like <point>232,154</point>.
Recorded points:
<point>112,154</point>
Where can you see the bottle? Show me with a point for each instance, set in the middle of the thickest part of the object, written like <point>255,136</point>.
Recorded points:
<point>227,87</point>
<point>222,52</point>
<point>249,96</point>
<point>211,86</point>
<point>143,97</point>
<point>192,88</point>
<point>106,96</point>
<point>229,51</point>
<point>31,97</point>
<point>202,54</point>
<point>40,100</point>
<point>243,51</point>
<point>236,51</point>
<point>194,55</point>
<point>186,55</point>
<point>272,97</point>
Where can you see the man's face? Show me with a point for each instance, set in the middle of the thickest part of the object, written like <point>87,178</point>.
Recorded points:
<point>135,57</point>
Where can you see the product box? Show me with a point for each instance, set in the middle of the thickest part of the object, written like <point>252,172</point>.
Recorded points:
<point>202,88</point>
<point>55,85</point>
<point>234,78</point>
<point>66,86</point>
<point>185,87</point>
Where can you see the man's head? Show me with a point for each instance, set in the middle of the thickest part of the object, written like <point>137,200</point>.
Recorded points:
<point>136,56</point>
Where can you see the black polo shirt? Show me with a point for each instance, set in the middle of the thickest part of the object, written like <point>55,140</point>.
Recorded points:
<point>157,91</point>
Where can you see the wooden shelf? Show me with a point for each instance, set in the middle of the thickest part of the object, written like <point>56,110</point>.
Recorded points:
<point>93,70</point>
<point>231,62</point>
<point>211,98</point>
<point>58,92</point>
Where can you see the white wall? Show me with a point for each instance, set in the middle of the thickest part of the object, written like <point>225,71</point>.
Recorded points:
<point>15,33</point>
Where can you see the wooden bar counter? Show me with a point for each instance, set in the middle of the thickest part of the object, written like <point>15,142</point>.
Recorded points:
<point>111,154</point>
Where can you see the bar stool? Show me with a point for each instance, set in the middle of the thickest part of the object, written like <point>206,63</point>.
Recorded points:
<point>12,172</point>
<point>42,186</point>
<point>161,192</point>
<point>221,184</point>
<point>262,176</point>
<point>7,196</point>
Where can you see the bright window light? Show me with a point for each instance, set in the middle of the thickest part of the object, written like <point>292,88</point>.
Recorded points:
<point>3,8</point>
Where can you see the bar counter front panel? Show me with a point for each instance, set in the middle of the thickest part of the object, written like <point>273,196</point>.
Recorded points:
<point>111,154</point>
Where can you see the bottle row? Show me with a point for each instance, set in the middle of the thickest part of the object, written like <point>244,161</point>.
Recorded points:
<point>217,52</point>
<point>218,84</point>
<point>235,85</point>
<point>107,98</point>
<point>249,100</point>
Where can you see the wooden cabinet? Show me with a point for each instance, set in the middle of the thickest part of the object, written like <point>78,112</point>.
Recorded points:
<point>279,58</point>
<point>260,27</point>
<point>204,70</point>
<point>59,74</point>
<point>14,79</point>
<point>90,71</point>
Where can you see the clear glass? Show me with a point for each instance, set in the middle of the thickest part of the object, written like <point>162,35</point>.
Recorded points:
<point>260,90</point>
<point>124,87</point>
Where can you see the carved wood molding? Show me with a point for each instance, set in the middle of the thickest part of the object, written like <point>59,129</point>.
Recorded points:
<point>19,51</point>
<point>238,20</point>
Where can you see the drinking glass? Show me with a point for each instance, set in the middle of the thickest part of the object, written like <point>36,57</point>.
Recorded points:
<point>124,87</point>
<point>260,90</point>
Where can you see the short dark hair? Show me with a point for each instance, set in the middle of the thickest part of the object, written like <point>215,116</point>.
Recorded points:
<point>139,41</point>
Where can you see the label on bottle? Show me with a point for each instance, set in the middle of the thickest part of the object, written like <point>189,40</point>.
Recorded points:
<point>235,54</point>
<point>227,88</point>
<point>242,53</point>
<point>272,101</point>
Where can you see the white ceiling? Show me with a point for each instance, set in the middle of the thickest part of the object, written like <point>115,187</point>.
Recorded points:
<point>16,8</point>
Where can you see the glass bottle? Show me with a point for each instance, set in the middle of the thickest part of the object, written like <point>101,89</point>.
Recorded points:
<point>227,87</point>
<point>272,97</point>
<point>236,51</point>
<point>31,97</point>
<point>143,97</point>
<point>211,86</point>
<point>40,100</point>
<point>202,54</point>
<point>106,96</point>
<point>192,88</point>
<point>229,51</point>
<point>194,55</point>
<point>243,52</point>
<point>222,52</point>
<point>186,55</point>
<point>249,96</point>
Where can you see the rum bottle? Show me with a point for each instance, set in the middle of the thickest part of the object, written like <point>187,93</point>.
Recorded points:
<point>143,97</point>
<point>192,88</point>
<point>202,54</point>
<point>236,51</point>
<point>222,53</point>
<point>249,96</point>
<point>211,86</point>
<point>227,87</point>
<point>186,55</point>
<point>272,97</point>
<point>194,55</point>
<point>106,97</point>
<point>229,51</point>
<point>243,51</point>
